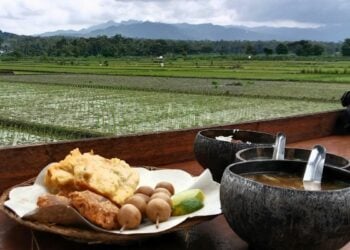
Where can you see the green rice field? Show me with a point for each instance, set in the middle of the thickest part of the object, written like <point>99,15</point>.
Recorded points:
<point>119,112</point>
<point>263,89</point>
<point>227,67</point>
<point>11,136</point>
<point>46,107</point>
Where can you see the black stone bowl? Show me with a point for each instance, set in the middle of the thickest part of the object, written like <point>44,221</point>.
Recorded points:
<point>270,217</point>
<point>216,155</point>
<point>265,153</point>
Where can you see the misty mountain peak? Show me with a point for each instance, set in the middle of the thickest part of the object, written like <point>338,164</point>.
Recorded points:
<point>204,31</point>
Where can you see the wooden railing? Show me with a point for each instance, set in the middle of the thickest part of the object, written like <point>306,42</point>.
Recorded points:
<point>22,162</point>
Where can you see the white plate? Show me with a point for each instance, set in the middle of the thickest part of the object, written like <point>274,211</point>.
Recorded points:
<point>22,200</point>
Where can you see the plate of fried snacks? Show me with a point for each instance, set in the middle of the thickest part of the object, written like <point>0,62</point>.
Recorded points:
<point>89,197</point>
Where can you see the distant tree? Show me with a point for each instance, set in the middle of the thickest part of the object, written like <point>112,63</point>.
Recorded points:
<point>317,49</point>
<point>17,54</point>
<point>304,48</point>
<point>268,51</point>
<point>259,46</point>
<point>181,47</point>
<point>222,50</point>
<point>61,43</point>
<point>345,48</point>
<point>281,49</point>
<point>117,46</point>
<point>250,50</point>
<point>206,49</point>
<point>80,47</point>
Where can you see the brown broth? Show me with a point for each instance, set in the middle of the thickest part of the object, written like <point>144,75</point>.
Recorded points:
<point>293,181</point>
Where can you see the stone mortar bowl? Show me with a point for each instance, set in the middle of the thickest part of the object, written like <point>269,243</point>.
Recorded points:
<point>265,153</point>
<point>270,217</point>
<point>216,155</point>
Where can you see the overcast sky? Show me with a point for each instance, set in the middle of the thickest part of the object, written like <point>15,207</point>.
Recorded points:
<point>38,16</point>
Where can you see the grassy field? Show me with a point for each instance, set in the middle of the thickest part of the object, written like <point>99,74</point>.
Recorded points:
<point>328,70</point>
<point>13,136</point>
<point>119,112</point>
<point>44,107</point>
<point>313,91</point>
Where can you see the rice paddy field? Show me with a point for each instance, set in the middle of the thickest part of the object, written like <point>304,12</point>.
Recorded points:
<point>12,136</point>
<point>328,69</point>
<point>48,107</point>
<point>324,92</point>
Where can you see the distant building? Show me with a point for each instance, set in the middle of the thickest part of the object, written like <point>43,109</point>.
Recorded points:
<point>160,60</point>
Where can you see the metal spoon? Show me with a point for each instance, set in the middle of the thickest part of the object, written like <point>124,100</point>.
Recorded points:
<point>314,168</point>
<point>279,147</point>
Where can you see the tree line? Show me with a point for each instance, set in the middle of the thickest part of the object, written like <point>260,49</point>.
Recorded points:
<point>117,46</point>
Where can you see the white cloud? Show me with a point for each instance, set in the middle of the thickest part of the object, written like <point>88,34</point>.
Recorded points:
<point>280,23</point>
<point>37,16</point>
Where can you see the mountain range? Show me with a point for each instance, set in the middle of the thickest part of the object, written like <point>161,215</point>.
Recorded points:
<point>207,31</point>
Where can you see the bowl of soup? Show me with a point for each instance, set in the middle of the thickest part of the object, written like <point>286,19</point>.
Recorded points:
<point>215,149</point>
<point>265,153</point>
<point>266,204</point>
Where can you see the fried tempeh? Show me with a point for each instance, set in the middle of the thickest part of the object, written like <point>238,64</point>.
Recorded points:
<point>48,200</point>
<point>96,208</point>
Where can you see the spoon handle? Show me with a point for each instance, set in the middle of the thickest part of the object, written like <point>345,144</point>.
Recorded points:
<point>314,167</point>
<point>279,147</point>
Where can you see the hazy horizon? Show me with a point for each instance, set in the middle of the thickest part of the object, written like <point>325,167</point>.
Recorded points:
<point>37,16</point>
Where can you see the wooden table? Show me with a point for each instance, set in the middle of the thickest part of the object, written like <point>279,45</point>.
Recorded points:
<point>170,150</point>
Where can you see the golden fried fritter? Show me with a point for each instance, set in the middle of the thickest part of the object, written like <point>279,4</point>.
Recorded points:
<point>112,178</point>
